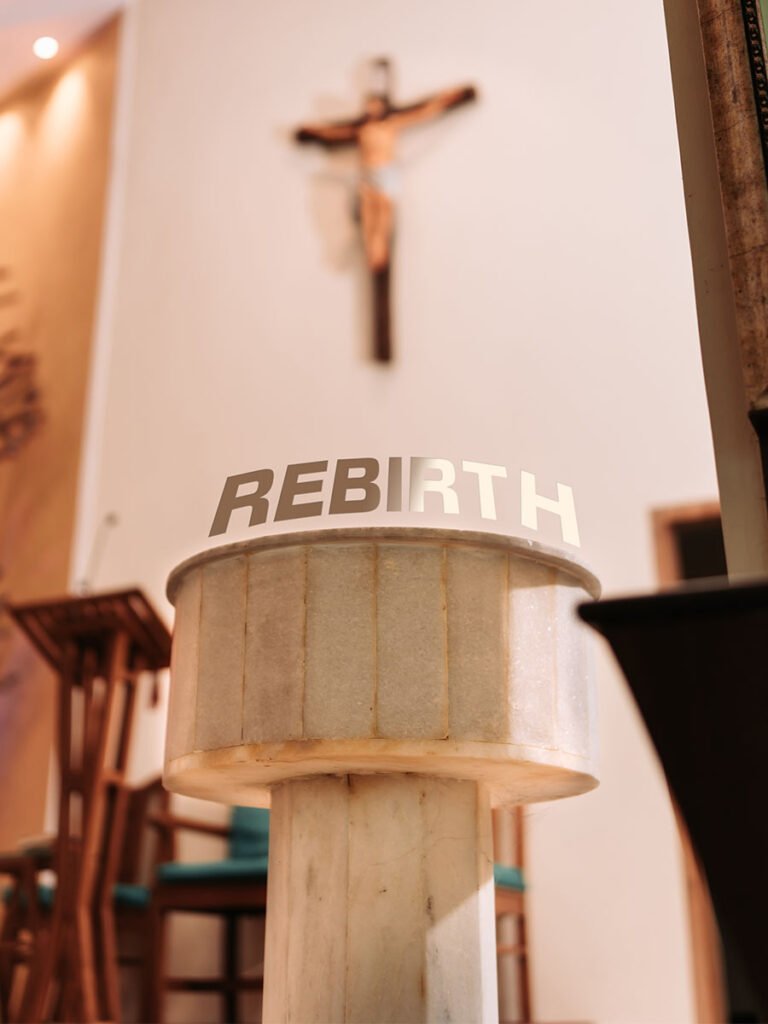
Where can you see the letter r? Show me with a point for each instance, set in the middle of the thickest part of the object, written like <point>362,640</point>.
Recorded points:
<point>443,485</point>
<point>230,499</point>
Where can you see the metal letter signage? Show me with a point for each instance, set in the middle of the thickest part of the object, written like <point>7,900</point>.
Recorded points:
<point>366,485</point>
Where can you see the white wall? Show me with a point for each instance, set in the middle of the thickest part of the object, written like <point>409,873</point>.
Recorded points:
<point>544,318</point>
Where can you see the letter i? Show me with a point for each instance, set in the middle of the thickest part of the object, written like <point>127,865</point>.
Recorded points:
<point>395,485</point>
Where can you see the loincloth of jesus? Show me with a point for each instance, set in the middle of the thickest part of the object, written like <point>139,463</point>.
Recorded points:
<point>384,178</point>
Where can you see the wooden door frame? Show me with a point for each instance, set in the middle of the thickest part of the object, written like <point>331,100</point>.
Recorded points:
<point>720,84</point>
<point>669,570</point>
<point>720,91</point>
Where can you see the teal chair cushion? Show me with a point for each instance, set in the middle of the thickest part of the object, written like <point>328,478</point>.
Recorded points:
<point>248,853</point>
<point>249,850</point>
<point>129,895</point>
<point>256,868</point>
<point>126,895</point>
<point>508,878</point>
<point>214,870</point>
<point>249,832</point>
<point>45,894</point>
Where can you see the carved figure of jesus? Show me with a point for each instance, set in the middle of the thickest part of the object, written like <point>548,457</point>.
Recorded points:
<point>375,135</point>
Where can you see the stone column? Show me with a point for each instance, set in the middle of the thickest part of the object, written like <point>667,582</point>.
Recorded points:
<point>383,687</point>
<point>384,885</point>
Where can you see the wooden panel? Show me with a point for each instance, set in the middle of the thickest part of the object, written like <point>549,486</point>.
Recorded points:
<point>50,625</point>
<point>531,707</point>
<point>375,913</point>
<point>182,707</point>
<point>52,226</point>
<point>387,900</point>
<point>458,867</point>
<point>742,180</point>
<point>477,643</point>
<point>308,824</point>
<point>575,699</point>
<point>412,697</point>
<point>222,654</point>
<point>341,667</point>
<point>273,701</point>
<point>727,210</point>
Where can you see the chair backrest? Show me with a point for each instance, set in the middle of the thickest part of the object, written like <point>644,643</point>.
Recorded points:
<point>144,846</point>
<point>96,702</point>
<point>249,832</point>
<point>509,836</point>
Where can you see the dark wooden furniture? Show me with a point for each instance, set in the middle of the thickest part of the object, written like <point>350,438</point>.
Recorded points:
<point>129,874</point>
<point>99,645</point>
<point>689,545</point>
<point>230,888</point>
<point>695,661</point>
<point>130,870</point>
<point>237,885</point>
<point>22,921</point>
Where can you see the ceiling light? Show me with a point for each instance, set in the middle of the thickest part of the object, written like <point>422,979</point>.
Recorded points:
<point>45,47</point>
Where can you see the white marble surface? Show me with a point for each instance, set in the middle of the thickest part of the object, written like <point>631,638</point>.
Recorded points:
<point>436,651</point>
<point>381,902</point>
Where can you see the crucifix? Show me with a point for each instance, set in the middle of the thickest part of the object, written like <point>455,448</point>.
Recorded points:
<point>375,133</point>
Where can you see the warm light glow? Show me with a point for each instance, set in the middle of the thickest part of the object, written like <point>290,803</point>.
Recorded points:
<point>65,114</point>
<point>45,47</point>
<point>11,135</point>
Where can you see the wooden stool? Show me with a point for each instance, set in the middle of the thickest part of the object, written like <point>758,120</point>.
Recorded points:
<point>98,645</point>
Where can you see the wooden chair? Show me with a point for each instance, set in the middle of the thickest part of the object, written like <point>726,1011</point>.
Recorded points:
<point>237,885</point>
<point>509,881</point>
<point>231,887</point>
<point>22,921</point>
<point>99,645</point>
<point>128,874</point>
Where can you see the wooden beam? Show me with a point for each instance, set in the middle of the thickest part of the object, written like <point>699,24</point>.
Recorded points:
<point>726,199</point>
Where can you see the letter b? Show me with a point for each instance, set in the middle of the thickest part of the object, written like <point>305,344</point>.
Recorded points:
<point>344,482</point>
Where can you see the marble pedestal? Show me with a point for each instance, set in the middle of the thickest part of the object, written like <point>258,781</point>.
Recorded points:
<point>384,687</point>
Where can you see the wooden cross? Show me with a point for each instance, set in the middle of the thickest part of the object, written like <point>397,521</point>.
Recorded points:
<point>375,133</point>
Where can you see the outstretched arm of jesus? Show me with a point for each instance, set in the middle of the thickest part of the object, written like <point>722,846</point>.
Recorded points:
<point>433,106</point>
<point>329,135</point>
